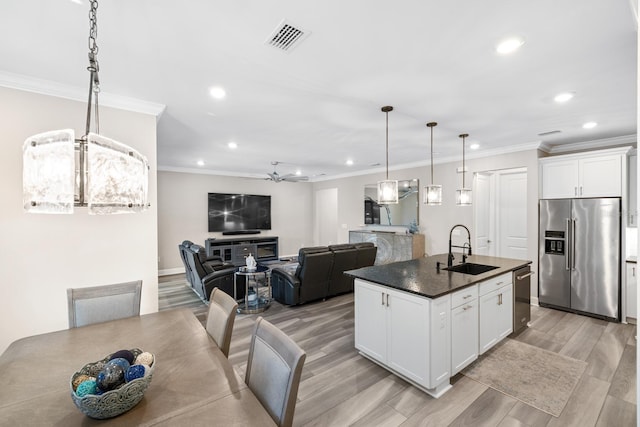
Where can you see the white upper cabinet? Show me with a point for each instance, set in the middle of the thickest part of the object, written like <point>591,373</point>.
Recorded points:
<point>592,174</point>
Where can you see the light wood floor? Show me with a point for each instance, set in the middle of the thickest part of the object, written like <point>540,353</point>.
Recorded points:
<point>341,388</point>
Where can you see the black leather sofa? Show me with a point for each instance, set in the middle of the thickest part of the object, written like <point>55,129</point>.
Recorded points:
<point>204,273</point>
<point>319,273</point>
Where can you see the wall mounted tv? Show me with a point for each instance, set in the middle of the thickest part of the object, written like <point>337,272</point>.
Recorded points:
<point>239,212</point>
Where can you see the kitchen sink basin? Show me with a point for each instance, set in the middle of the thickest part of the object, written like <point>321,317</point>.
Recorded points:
<point>471,268</point>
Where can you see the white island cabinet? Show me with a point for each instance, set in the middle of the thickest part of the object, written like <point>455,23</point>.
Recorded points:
<point>406,333</point>
<point>464,328</point>
<point>496,310</point>
<point>428,340</point>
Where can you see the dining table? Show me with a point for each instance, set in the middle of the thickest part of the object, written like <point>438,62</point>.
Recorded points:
<point>193,382</point>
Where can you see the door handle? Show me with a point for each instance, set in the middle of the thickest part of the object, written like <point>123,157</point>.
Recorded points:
<point>575,191</point>
<point>567,255</point>
<point>387,300</point>
<point>573,245</point>
<point>524,276</point>
<point>382,295</point>
<point>500,299</point>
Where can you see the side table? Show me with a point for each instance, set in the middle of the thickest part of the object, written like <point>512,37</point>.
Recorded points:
<point>261,303</point>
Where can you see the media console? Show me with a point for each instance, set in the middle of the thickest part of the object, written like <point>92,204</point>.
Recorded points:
<point>235,250</point>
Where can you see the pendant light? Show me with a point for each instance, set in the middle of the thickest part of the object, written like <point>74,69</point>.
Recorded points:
<point>387,189</point>
<point>432,193</point>
<point>463,196</point>
<point>60,171</point>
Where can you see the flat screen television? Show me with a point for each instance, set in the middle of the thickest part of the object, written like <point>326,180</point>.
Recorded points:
<point>239,212</point>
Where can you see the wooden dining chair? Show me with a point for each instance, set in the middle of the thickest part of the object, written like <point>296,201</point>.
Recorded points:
<point>273,371</point>
<point>103,303</point>
<point>222,315</point>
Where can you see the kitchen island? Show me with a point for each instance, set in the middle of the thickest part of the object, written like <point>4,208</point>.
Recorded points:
<point>425,323</point>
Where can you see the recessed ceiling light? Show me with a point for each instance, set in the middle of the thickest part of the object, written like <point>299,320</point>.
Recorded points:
<point>298,172</point>
<point>474,146</point>
<point>200,163</point>
<point>349,162</point>
<point>76,1</point>
<point>563,97</point>
<point>508,46</point>
<point>589,125</point>
<point>232,145</point>
<point>217,92</point>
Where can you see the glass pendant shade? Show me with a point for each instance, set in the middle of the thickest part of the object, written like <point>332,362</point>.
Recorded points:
<point>115,178</point>
<point>387,192</point>
<point>463,197</point>
<point>387,189</point>
<point>48,172</point>
<point>432,195</point>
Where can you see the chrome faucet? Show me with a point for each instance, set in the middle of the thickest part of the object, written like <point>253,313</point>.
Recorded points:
<point>450,257</point>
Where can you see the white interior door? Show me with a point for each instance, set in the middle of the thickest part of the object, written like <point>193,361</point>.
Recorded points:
<point>483,206</point>
<point>511,214</point>
<point>500,213</point>
<point>326,217</point>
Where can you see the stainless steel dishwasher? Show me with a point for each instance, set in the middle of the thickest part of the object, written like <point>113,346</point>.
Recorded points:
<point>521,299</point>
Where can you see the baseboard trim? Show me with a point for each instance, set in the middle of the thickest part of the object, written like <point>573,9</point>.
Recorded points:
<point>170,271</point>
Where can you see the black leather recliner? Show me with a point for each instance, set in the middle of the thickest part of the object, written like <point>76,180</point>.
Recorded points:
<point>208,274</point>
<point>309,282</point>
<point>344,258</point>
<point>366,255</point>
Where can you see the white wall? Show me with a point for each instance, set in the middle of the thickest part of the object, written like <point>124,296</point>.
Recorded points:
<point>43,255</point>
<point>182,212</point>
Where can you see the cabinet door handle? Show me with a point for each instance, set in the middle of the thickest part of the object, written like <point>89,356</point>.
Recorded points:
<point>633,271</point>
<point>382,295</point>
<point>581,190</point>
<point>500,299</point>
<point>499,283</point>
<point>387,300</point>
<point>467,296</point>
<point>575,191</point>
<point>467,307</point>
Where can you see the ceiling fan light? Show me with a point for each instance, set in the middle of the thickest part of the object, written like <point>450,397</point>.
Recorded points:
<point>387,192</point>
<point>432,195</point>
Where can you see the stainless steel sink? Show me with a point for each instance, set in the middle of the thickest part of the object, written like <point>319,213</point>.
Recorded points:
<point>471,268</point>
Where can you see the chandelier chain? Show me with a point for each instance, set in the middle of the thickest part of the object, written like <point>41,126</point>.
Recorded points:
<point>93,29</point>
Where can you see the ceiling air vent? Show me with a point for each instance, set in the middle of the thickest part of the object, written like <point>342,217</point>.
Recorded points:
<point>551,132</point>
<point>286,36</point>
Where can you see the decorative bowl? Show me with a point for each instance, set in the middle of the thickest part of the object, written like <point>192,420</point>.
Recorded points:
<point>114,402</point>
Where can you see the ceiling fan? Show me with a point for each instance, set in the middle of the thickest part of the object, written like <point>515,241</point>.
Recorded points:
<point>276,177</point>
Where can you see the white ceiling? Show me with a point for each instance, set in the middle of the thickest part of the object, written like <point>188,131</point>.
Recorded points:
<point>318,105</point>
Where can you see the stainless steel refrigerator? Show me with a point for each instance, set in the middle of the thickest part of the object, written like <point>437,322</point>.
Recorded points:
<point>579,250</point>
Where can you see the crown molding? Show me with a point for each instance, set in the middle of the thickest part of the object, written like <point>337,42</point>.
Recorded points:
<point>595,144</point>
<point>75,93</point>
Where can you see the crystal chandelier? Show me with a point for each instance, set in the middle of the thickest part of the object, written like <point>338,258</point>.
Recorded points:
<point>387,189</point>
<point>463,195</point>
<point>60,171</point>
<point>432,193</point>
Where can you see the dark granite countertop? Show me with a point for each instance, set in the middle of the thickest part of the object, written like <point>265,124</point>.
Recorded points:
<point>420,276</point>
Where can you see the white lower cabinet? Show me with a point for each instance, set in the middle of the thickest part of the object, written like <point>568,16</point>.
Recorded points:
<point>407,333</point>
<point>426,341</point>
<point>496,311</point>
<point>464,328</point>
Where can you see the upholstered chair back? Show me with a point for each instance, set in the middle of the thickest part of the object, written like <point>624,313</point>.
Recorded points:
<point>103,303</point>
<point>220,319</point>
<point>274,368</point>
